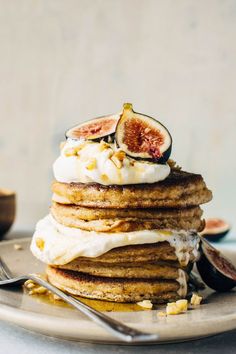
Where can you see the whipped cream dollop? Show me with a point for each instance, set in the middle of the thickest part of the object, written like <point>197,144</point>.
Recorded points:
<point>100,162</point>
<point>56,244</point>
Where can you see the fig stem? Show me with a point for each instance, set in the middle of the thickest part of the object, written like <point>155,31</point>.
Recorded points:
<point>128,106</point>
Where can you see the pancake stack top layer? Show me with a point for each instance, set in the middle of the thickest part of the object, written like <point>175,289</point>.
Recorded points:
<point>120,228</point>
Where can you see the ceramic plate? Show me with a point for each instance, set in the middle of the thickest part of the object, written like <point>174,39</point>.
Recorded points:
<point>217,314</point>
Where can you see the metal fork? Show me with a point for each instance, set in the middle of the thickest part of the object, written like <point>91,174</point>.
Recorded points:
<point>118,329</point>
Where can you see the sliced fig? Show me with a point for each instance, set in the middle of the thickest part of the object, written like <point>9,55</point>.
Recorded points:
<point>215,229</point>
<point>215,270</point>
<point>142,137</point>
<point>94,129</point>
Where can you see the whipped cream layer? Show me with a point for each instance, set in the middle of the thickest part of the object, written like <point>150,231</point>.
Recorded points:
<point>56,244</point>
<point>85,162</point>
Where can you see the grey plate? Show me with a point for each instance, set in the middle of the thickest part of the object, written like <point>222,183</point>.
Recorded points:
<point>216,315</point>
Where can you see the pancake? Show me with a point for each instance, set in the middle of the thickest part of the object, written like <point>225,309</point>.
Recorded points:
<point>89,213</point>
<point>70,215</point>
<point>113,289</point>
<point>154,252</point>
<point>179,189</point>
<point>128,225</point>
<point>161,270</point>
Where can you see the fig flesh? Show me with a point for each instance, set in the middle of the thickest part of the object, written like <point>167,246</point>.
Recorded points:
<point>94,129</point>
<point>215,270</point>
<point>215,229</point>
<point>142,137</point>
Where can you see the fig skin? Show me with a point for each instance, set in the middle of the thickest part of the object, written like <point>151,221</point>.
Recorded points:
<point>215,229</point>
<point>128,113</point>
<point>105,134</point>
<point>215,270</point>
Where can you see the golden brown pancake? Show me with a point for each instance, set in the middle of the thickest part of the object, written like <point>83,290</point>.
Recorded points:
<point>161,270</point>
<point>113,289</point>
<point>179,189</point>
<point>153,252</point>
<point>89,213</point>
<point>176,219</point>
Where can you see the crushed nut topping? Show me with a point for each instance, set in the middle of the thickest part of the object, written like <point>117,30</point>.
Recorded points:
<point>118,157</point>
<point>146,304</point>
<point>92,164</point>
<point>105,178</point>
<point>40,243</point>
<point>104,145</point>
<point>74,151</point>
<point>70,152</point>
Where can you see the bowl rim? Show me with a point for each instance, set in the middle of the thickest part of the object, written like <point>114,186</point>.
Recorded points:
<point>6,192</point>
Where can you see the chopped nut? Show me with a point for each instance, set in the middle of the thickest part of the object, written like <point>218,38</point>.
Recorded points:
<point>105,178</point>
<point>118,157</point>
<point>70,152</point>
<point>18,247</point>
<point>34,288</point>
<point>40,243</point>
<point>40,290</point>
<point>104,145</point>
<point>175,308</point>
<point>74,151</point>
<point>145,303</point>
<point>182,304</point>
<point>195,299</point>
<point>29,284</point>
<point>92,164</point>
<point>172,309</point>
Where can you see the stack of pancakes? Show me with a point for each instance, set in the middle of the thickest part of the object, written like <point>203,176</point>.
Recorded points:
<point>148,271</point>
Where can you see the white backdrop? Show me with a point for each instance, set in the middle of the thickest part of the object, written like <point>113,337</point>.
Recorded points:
<point>62,62</point>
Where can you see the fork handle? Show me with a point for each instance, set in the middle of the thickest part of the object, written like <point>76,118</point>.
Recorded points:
<point>116,328</point>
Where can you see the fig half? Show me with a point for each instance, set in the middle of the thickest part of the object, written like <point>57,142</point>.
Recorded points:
<point>142,137</point>
<point>215,270</point>
<point>94,129</point>
<point>215,229</point>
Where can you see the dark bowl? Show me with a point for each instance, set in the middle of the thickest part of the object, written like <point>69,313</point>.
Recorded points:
<point>7,210</point>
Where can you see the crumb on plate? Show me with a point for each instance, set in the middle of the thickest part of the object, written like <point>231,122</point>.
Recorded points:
<point>175,308</point>
<point>146,304</point>
<point>195,299</point>
<point>18,247</point>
